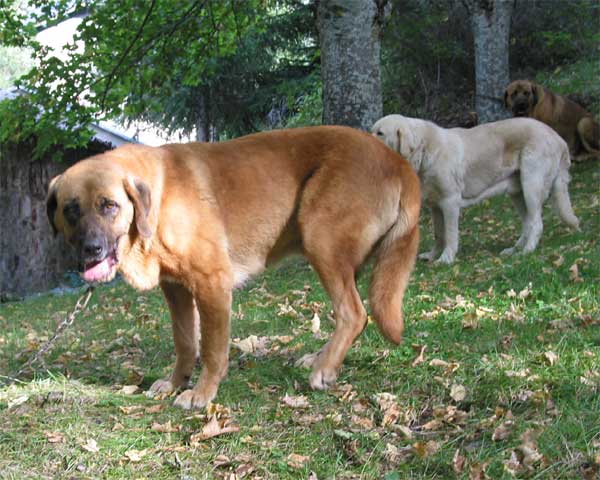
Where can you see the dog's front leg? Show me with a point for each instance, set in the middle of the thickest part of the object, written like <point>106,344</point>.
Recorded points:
<point>450,208</point>
<point>213,296</point>
<point>185,320</point>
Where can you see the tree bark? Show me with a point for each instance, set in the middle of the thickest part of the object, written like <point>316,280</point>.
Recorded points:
<point>349,36</point>
<point>491,31</point>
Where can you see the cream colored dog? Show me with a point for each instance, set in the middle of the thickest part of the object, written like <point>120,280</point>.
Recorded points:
<point>460,167</point>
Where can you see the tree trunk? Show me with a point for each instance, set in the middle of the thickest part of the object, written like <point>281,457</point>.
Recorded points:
<point>349,35</point>
<point>202,120</point>
<point>491,30</point>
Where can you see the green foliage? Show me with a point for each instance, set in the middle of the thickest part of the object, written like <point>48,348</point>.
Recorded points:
<point>172,63</point>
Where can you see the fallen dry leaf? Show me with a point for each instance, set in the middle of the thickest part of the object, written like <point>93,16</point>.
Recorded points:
<point>458,462</point>
<point>420,351</point>
<point>211,429</point>
<point>389,406</point>
<point>165,427</point>
<point>458,392</point>
<point>315,323</point>
<point>363,422</point>
<point>54,437</point>
<point>90,445</point>
<point>426,449</point>
<point>550,357</point>
<point>503,431</point>
<point>129,389</point>
<point>477,471</point>
<point>135,455</point>
<point>297,461</point>
<point>295,401</point>
<point>574,274</point>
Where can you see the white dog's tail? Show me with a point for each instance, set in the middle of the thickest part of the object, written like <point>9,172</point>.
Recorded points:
<point>560,192</point>
<point>394,263</point>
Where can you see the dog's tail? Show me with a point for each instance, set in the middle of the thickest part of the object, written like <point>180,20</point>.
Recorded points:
<point>560,192</point>
<point>394,263</point>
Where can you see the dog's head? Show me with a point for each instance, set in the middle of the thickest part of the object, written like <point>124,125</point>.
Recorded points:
<point>396,132</point>
<point>520,97</point>
<point>99,208</point>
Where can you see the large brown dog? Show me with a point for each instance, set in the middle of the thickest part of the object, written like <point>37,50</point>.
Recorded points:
<point>199,219</point>
<point>570,120</point>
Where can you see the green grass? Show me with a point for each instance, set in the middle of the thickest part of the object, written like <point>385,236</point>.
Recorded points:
<point>497,345</point>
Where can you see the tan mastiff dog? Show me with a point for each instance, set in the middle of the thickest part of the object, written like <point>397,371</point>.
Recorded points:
<point>570,120</point>
<point>199,219</point>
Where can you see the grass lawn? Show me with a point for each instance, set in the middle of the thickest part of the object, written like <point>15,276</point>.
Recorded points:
<point>498,375</point>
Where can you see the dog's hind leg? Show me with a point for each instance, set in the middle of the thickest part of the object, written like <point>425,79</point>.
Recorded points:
<point>438,234</point>
<point>519,202</point>
<point>450,208</point>
<point>185,321</point>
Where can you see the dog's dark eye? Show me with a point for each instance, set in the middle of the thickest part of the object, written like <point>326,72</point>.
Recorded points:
<point>71,212</point>
<point>108,207</point>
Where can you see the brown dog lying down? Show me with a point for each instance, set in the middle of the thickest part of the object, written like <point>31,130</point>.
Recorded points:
<point>199,219</point>
<point>570,120</point>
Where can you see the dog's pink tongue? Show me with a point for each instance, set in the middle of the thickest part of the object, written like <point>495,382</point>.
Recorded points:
<point>98,272</point>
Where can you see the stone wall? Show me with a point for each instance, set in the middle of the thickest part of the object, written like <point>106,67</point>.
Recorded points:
<point>31,258</point>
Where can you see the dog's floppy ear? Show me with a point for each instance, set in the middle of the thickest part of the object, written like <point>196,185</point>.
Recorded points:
<point>52,203</point>
<point>139,194</point>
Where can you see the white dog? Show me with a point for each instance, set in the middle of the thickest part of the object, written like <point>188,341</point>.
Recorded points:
<point>459,167</point>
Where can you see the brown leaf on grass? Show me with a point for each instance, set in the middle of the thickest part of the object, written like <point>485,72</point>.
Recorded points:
<point>130,409</point>
<point>458,392</point>
<point>213,428</point>
<point>574,274</point>
<point>389,407</point>
<point>363,422</point>
<point>221,461</point>
<point>396,456</point>
<point>426,449</point>
<point>165,427</point>
<point>295,401</point>
<point>129,389</point>
<point>135,456</point>
<point>470,321</point>
<point>420,351</point>
<point>308,419</point>
<point>477,471</point>
<point>550,357</point>
<point>297,461</point>
<point>315,323</point>
<point>449,367</point>
<point>458,462</point>
<point>242,471</point>
<point>344,392</point>
<point>54,437</point>
<point>159,407</point>
<point>257,346</point>
<point>503,431</point>
<point>90,445</point>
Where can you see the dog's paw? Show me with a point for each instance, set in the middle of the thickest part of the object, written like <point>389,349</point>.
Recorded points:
<point>308,360</point>
<point>194,399</point>
<point>508,251</point>
<point>163,386</point>
<point>445,258</point>
<point>323,378</point>
<point>427,256</point>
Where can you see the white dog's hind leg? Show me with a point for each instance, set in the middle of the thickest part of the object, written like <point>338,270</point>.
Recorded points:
<point>450,208</point>
<point>534,195</point>
<point>438,234</point>
<point>519,203</point>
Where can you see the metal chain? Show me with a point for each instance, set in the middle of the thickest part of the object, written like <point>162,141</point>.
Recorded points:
<point>81,304</point>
